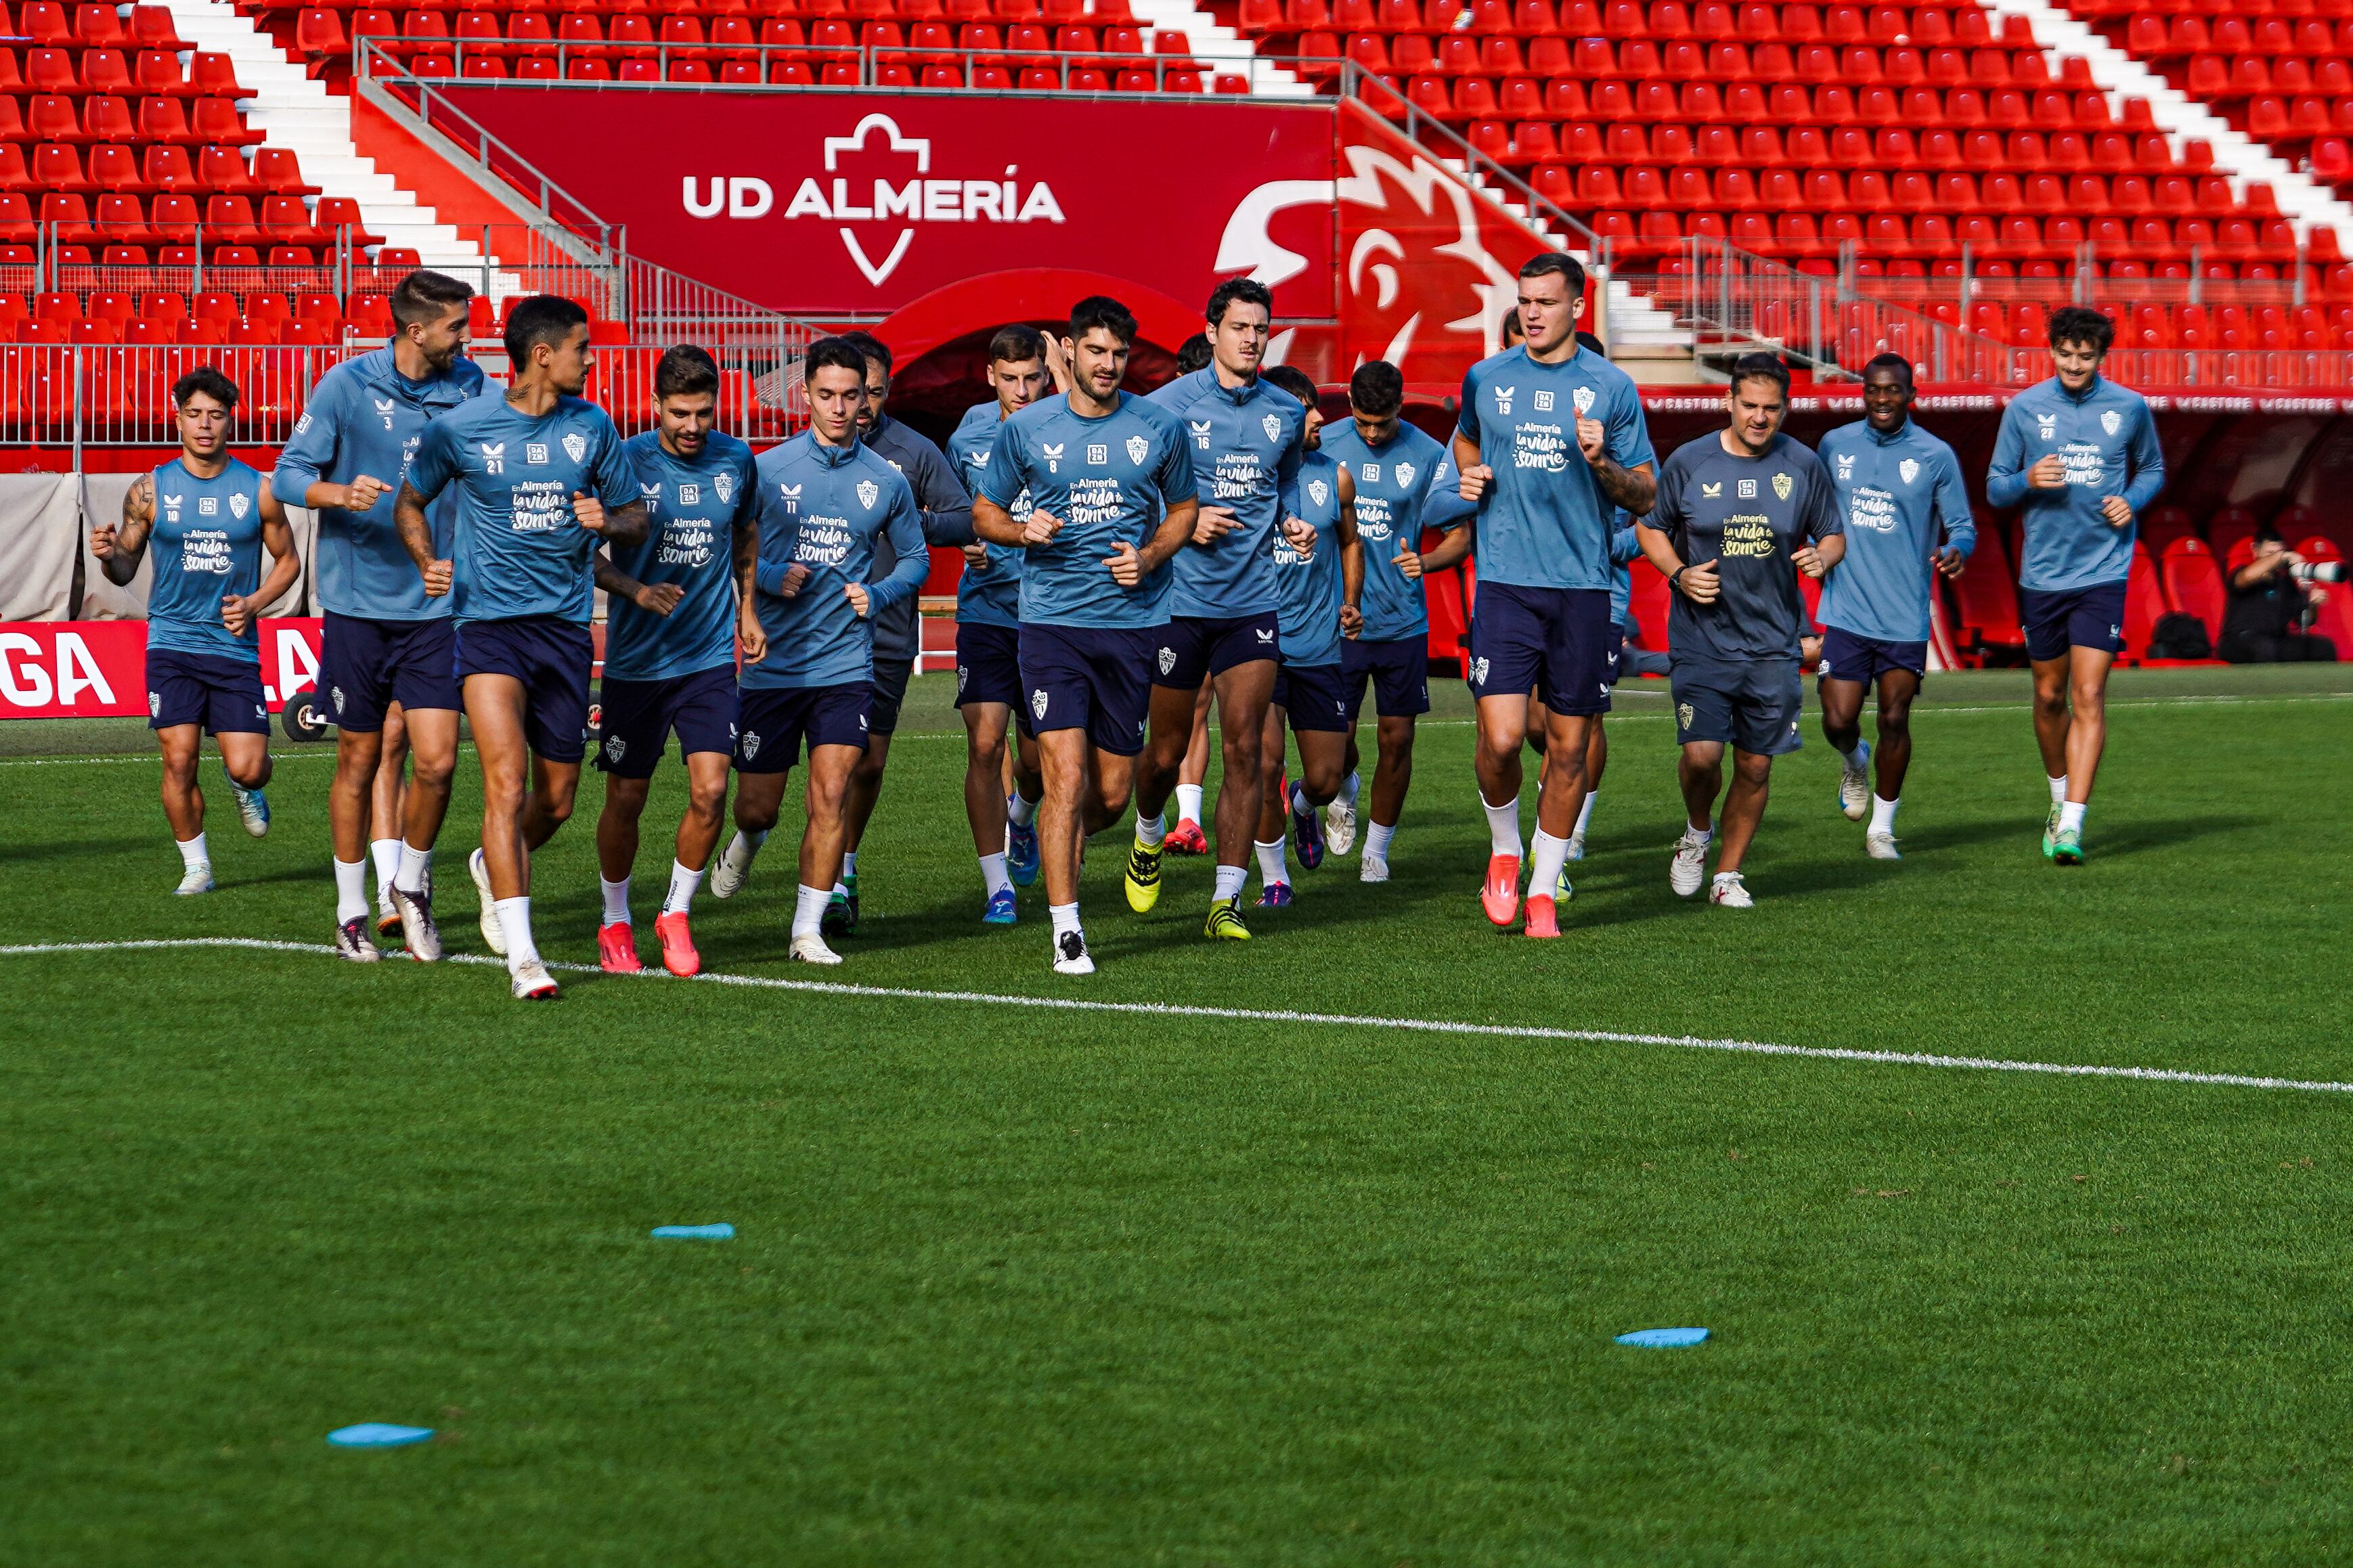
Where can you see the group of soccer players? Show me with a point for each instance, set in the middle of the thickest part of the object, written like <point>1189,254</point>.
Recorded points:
<point>1127,561</point>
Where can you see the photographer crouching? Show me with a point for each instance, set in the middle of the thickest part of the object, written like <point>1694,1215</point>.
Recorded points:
<point>2272,601</point>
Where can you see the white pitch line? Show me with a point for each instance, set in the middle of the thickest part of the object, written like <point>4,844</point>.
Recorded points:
<point>1263,1016</point>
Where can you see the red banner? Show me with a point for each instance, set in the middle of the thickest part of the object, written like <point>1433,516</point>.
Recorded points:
<point>97,670</point>
<point>817,202</point>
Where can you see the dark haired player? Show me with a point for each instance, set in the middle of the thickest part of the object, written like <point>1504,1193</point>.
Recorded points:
<point>2079,454</point>
<point>1550,441</point>
<point>1110,483</point>
<point>679,601</point>
<point>945,511</point>
<point>989,648</point>
<point>1404,482</point>
<point>1244,439</point>
<point>209,518</point>
<point>542,479</point>
<point>1312,588</point>
<point>1741,511</point>
<point>1908,518</point>
<point>827,499</point>
<point>388,659</point>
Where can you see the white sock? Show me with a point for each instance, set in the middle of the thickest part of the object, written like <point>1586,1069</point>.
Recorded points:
<point>1064,916</point>
<point>741,848</point>
<point>1702,834</point>
<point>2059,790</point>
<point>1544,871</point>
<point>1270,862</point>
<point>415,865</point>
<point>1882,813</point>
<point>1860,757</point>
<point>192,854</point>
<point>682,886</point>
<point>1348,792</point>
<point>1229,882</point>
<point>809,912</point>
<point>1504,827</point>
<point>1585,813</point>
<point>351,890</point>
<point>993,872</point>
<point>616,901</point>
<point>1019,812</point>
<point>1376,840</point>
<point>2071,814</point>
<point>1189,803</point>
<point>386,853</point>
<point>1152,833</point>
<point>514,923</point>
<point>848,867</point>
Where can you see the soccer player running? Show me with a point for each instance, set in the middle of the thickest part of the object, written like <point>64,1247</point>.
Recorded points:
<point>210,519</point>
<point>1109,477</point>
<point>1549,441</point>
<point>1244,439</point>
<point>680,599</point>
<point>1184,834</point>
<point>989,648</point>
<point>1313,587</point>
<point>1624,546</point>
<point>2080,455</point>
<point>1740,513</point>
<point>945,511</point>
<point>827,501</point>
<point>1403,483</point>
<point>388,664</point>
<point>1908,518</point>
<point>542,479</point>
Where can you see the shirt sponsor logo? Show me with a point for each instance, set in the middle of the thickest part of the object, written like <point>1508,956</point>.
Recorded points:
<point>868,492</point>
<point>1747,534</point>
<point>1908,469</point>
<point>824,542</point>
<point>535,454</point>
<point>205,549</point>
<point>1869,507</point>
<point>688,494</point>
<point>1541,400</point>
<point>2111,421</point>
<point>2083,462</point>
<point>1138,446</point>
<point>576,447</point>
<point>1371,472</point>
<point>1098,455</point>
<point>209,506</point>
<point>1748,489</point>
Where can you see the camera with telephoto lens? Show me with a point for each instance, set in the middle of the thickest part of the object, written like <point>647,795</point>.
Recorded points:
<point>2318,570</point>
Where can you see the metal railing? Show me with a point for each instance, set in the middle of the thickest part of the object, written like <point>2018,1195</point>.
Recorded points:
<point>79,395</point>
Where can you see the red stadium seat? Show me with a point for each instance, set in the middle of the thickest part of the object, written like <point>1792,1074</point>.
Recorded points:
<point>2193,584</point>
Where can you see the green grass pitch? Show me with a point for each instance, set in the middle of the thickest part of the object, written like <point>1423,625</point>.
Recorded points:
<point>1014,1285</point>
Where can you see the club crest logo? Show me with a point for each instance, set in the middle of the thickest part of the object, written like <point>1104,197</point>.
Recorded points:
<point>614,747</point>
<point>1782,485</point>
<point>749,744</point>
<point>724,487</point>
<point>2111,421</point>
<point>1478,672</point>
<point>1318,491</point>
<point>154,704</point>
<point>1583,398</point>
<point>1404,472</point>
<point>1268,423</point>
<point>1167,659</point>
<point>1037,706</point>
<point>1138,446</point>
<point>964,673</point>
<point>1908,469</point>
<point>494,456</point>
<point>868,493</point>
<point>238,505</point>
<point>1503,398</point>
<point>336,694</point>
<point>1684,714</point>
<point>576,447</point>
<point>1052,452</point>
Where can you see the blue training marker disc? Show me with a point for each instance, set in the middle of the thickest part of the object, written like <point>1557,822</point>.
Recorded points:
<point>377,1435</point>
<point>694,1232</point>
<point>1663,1339</point>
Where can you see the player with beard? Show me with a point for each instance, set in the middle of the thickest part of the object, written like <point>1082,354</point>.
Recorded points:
<point>541,480</point>
<point>989,650</point>
<point>388,659</point>
<point>1110,488</point>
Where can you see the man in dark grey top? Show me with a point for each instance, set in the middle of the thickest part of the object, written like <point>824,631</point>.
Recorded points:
<point>946,515</point>
<point>1740,513</point>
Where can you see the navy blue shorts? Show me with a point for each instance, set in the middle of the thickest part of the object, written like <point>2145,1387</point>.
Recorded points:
<point>890,684</point>
<point>1555,640</point>
<point>2060,618</point>
<point>1399,669</point>
<point>988,668</point>
<point>640,716</point>
<point>1191,648</point>
<point>1753,704</point>
<point>552,658</point>
<point>222,694</point>
<point>776,720</point>
<point>1315,697</point>
<point>366,667</point>
<point>1090,678</point>
<point>1849,655</point>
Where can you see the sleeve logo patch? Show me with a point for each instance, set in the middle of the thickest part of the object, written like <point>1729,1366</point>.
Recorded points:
<point>576,447</point>
<point>1137,448</point>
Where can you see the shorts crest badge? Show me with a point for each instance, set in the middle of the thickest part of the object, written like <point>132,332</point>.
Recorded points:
<point>1167,659</point>
<point>336,693</point>
<point>1684,714</point>
<point>1478,672</point>
<point>1037,706</point>
<point>614,748</point>
<point>749,744</point>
